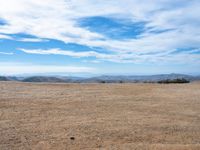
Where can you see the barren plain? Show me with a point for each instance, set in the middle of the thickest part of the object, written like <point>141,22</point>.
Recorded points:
<point>43,116</point>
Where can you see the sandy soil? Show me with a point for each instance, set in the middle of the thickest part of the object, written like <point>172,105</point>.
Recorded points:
<point>99,116</point>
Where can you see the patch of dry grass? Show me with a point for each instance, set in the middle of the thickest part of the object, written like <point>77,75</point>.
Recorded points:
<point>99,116</point>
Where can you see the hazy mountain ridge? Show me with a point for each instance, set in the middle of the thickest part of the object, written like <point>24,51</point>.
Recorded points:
<point>3,78</point>
<point>149,78</point>
<point>43,79</point>
<point>101,79</point>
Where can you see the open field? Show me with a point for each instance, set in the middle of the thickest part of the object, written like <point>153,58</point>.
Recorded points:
<point>99,116</point>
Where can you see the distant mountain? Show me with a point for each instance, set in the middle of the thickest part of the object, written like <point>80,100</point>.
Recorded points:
<point>101,79</point>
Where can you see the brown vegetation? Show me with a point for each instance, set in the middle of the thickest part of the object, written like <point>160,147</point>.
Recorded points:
<point>99,116</point>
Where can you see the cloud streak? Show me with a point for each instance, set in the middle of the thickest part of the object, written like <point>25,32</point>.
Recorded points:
<point>5,37</point>
<point>6,53</point>
<point>31,40</point>
<point>66,53</point>
<point>163,57</point>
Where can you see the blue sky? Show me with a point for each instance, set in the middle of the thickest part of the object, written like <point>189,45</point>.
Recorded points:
<point>73,37</point>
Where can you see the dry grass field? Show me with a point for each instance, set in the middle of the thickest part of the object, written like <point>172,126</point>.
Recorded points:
<point>99,116</point>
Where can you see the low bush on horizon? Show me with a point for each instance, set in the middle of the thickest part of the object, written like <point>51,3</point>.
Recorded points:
<point>168,81</point>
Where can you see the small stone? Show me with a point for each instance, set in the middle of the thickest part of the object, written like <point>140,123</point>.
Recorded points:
<point>72,138</point>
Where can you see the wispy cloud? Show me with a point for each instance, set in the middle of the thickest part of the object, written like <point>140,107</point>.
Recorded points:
<point>6,53</point>
<point>31,40</point>
<point>167,26</point>
<point>140,57</point>
<point>66,52</point>
<point>5,37</point>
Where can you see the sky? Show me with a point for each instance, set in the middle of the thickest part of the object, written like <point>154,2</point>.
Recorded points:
<point>96,37</point>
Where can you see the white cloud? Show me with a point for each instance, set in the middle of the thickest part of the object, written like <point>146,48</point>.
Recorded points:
<point>31,40</point>
<point>5,37</point>
<point>140,57</point>
<point>66,52</point>
<point>45,19</point>
<point>6,53</point>
<point>57,19</point>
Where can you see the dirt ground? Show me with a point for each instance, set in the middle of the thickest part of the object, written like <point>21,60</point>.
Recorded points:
<point>99,116</point>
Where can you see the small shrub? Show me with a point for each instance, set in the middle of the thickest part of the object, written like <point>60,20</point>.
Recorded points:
<point>103,81</point>
<point>168,81</point>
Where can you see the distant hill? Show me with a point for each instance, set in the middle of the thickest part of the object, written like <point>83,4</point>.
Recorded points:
<point>43,79</point>
<point>11,78</point>
<point>2,78</point>
<point>102,79</point>
<point>133,79</point>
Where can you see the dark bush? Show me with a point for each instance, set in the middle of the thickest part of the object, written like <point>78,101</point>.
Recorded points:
<point>168,81</point>
<point>103,81</point>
